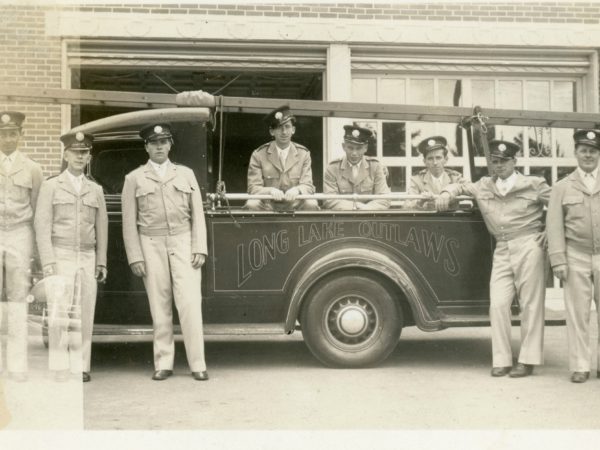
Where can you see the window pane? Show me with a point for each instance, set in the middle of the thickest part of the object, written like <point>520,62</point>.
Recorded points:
<point>418,132</point>
<point>482,93</point>
<point>544,172</point>
<point>449,92</point>
<point>563,142</point>
<point>394,138</point>
<point>397,179</point>
<point>420,92</point>
<point>392,91</point>
<point>510,95</point>
<point>563,96</point>
<point>540,142</point>
<point>562,172</point>
<point>455,136</point>
<point>538,95</point>
<point>364,90</point>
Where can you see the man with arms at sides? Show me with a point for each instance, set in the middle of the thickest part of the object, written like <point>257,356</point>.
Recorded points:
<point>573,224</point>
<point>165,239</point>
<point>355,173</point>
<point>512,206</point>
<point>430,181</point>
<point>281,168</point>
<point>71,228</point>
<point>20,181</point>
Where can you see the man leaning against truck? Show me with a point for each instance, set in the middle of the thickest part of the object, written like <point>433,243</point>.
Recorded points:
<point>512,206</point>
<point>165,241</point>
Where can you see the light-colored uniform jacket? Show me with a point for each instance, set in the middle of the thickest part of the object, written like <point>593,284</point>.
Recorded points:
<point>162,206</point>
<point>370,180</point>
<point>266,172</point>
<point>423,182</point>
<point>518,213</point>
<point>19,191</point>
<point>71,220</point>
<point>573,218</point>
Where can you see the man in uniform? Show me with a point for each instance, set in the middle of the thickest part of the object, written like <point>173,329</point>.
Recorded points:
<point>573,224</point>
<point>20,180</point>
<point>281,168</point>
<point>355,173</point>
<point>71,227</point>
<point>512,206</point>
<point>431,180</point>
<point>165,240</point>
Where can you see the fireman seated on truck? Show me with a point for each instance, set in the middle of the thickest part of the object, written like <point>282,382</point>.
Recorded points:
<point>281,168</point>
<point>430,181</point>
<point>355,173</point>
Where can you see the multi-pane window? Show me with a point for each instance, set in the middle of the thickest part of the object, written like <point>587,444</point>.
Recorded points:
<point>547,152</point>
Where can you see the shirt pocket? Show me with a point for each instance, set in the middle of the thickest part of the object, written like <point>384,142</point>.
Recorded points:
<point>182,191</point>
<point>366,186</point>
<point>145,196</point>
<point>22,185</point>
<point>486,202</point>
<point>525,201</point>
<point>63,205</point>
<point>271,181</point>
<point>89,208</point>
<point>573,206</point>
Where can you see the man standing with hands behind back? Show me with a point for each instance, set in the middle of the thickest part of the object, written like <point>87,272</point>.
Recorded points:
<point>165,240</point>
<point>573,224</point>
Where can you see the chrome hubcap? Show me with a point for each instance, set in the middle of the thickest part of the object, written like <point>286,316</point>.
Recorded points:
<point>351,321</point>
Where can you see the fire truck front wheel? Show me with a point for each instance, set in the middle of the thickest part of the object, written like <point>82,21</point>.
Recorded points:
<point>351,320</point>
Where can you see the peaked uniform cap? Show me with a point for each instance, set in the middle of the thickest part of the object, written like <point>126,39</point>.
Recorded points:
<point>279,116</point>
<point>11,119</point>
<point>357,135</point>
<point>587,137</point>
<point>503,149</point>
<point>432,143</point>
<point>77,141</point>
<point>156,131</point>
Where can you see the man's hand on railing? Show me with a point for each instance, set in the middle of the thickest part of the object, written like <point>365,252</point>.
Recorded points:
<point>291,194</point>
<point>442,202</point>
<point>277,194</point>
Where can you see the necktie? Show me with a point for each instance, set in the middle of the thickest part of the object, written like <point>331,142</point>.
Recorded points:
<point>354,172</point>
<point>77,184</point>
<point>282,159</point>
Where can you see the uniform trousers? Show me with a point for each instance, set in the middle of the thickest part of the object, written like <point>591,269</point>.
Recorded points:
<point>519,268</point>
<point>582,284</point>
<point>268,205</point>
<point>16,252</point>
<point>170,276</point>
<point>71,311</point>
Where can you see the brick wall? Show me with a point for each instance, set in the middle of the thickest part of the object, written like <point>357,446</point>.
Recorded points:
<point>31,59</point>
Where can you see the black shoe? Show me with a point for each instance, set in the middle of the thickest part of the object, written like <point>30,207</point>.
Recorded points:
<point>500,371</point>
<point>521,370</point>
<point>200,376</point>
<point>579,377</point>
<point>160,375</point>
<point>85,377</point>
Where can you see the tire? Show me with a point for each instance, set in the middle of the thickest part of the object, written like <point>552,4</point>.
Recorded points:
<point>351,320</point>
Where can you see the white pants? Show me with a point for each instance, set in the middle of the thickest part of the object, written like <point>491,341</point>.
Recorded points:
<point>519,268</point>
<point>170,275</point>
<point>16,251</point>
<point>582,284</point>
<point>71,311</point>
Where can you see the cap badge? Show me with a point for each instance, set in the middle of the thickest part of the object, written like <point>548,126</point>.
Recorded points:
<point>590,135</point>
<point>502,147</point>
<point>355,133</point>
<point>79,136</point>
<point>431,142</point>
<point>5,118</point>
<point>278,115</point>
<point>158,129</point>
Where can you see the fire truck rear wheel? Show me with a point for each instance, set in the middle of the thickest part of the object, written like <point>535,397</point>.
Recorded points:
<point>351,320</point>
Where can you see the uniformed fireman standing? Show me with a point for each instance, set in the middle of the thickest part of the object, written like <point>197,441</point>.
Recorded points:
<point>512,206</point>
<point>20,180</point>
<point>430,181</point>
<point>71,226</point>
<point>573,224</point>
<point>165,240</point>
<point>355,173</point>
<point>281,168</point>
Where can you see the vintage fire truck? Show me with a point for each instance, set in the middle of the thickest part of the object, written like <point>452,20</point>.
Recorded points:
<point>349,280</point>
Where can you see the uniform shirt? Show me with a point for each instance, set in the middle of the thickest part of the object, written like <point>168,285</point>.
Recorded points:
<point>76,181</point>
<point>161,169</point>
<point>515,214</point>
<point>589,178</point>
<point>506,185</point>
<point>69,219</point>
<point>370,180</point>
<point>19,188</point>
<point>162,206</point>
<point>573,218</point>
<point>424,182</point>
<point>266,172</point>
